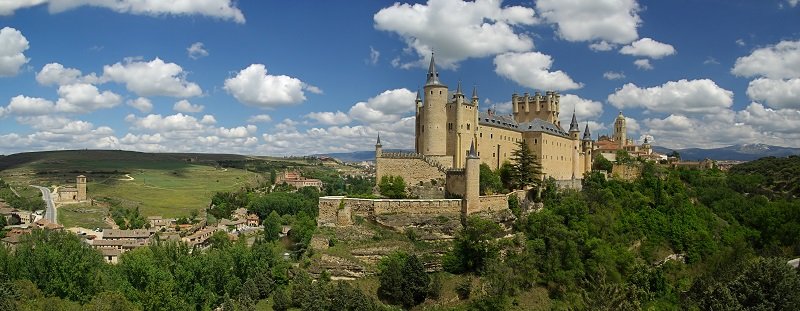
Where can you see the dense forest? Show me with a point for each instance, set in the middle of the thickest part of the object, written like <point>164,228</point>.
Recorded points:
<point>672,239</point>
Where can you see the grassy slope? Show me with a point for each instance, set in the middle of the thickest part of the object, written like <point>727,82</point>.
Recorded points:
<point>164,184</point>
<point>82,215</point>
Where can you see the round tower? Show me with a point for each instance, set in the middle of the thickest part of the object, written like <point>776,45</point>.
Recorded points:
<point>378,148</point>
<point>417,122</point>
<point>588,146</point>
<point>434,122</point>
<point>472,172</point>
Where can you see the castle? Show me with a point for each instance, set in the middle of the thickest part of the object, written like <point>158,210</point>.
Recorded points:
<point>447,124</point>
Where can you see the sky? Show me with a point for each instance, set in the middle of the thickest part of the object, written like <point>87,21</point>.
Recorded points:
<point>306,77</point>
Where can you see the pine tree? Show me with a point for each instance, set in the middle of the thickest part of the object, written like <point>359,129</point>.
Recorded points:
<point>526,168</point>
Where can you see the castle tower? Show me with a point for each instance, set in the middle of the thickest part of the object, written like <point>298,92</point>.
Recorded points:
<point>587,149</point>
<point>472,173</point>
<point>620,133</point>
<point>646,147</point>
<point>527,108</point>
<point>378,148</point>
<point>433,125</point>
<point>574,128</point>
<point>475,96</point>
<point>81,185</point>
<point>417,122</point>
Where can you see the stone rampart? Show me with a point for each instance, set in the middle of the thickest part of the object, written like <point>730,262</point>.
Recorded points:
<point>626,171</point>
<point>492,203</point>
<point>339,211</point>
<point>413,168</point>
<point>455,183</point>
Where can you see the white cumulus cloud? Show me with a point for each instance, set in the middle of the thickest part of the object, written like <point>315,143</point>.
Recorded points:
<point>613,21</point>
<point>222,9</point>
<point>186,107</point>
<point>57,74</point>
<point>777,93</point>
<point>647,47</point>
<point>643,64</point>
<point>389,106</point>
<point>142,104</point>
<point>701,96</point>
<point>780,61</point>
<point>531,69</point>
<point>84,98</point>
<point>329,118</point>
<point>12,46</point>
<point>23,105</point>
<point>457,30</point>
<point>585,109</point>
<point>153,78</point>
<point>197,50</point>
<point>611,75</point>
<point>253,86</point>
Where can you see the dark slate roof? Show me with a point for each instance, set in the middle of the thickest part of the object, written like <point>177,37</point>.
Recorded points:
<point>508,122</point>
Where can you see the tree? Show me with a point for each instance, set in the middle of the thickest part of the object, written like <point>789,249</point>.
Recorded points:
<point>602,164</point>
<point>623,157</point>
<point>504,171</point>
<point>473,247</point>
<point>526,169</point>
<point>489,181</point>
<point>272,227</point>
<point>393,187</point>
<point>403,280</point>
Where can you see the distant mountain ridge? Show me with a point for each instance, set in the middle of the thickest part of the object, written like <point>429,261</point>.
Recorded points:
<point>744,152</point>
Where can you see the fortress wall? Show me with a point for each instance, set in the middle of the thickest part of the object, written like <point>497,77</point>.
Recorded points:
<point>328,211</point>
<point>456,183</point>
<point>626,171</point>
<point>417,206</point>
<point>492,203</point>
<point>338,211</point>
<point>412,170</point>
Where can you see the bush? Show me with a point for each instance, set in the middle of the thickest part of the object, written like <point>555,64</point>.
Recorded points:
<point>393,187</point>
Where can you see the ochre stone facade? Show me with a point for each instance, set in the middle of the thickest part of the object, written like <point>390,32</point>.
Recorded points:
<point>448,123</point>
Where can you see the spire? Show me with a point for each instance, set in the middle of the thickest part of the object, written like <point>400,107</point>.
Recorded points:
<point>433,76</point>
<point>472,154</point>
<point>645,140</point>
<point>419,99</point>
<point>573,126</point>
<point>620,116</point>
<point>586,134</point>
<point>378,144</point>
<point>474,92</point>
<point>458,89</point>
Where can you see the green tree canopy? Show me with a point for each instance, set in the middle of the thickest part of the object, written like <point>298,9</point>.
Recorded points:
<point>526,168</point>
<point>393,187</point>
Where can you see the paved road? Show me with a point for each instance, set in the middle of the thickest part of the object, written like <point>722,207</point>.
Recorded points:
<point>50,212</point>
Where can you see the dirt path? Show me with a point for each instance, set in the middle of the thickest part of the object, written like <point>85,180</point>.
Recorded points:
<point>127,178</point>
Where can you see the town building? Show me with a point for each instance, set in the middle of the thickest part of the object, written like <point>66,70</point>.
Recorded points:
<point>296,180</point>
<point>73,194</point>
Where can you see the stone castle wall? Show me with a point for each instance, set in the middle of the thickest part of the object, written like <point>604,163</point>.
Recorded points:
<point>492,203</point>
<point>339,211</point>
<point>411,167</point>
<point>626,171</point>
<point>456,183</point>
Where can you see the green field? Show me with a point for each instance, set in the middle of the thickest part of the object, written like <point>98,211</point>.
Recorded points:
<point>170,191</point>
<point>82,215</point>
<point>169,185</point>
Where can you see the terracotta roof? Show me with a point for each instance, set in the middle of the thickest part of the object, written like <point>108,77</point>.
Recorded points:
<point>126,234</point>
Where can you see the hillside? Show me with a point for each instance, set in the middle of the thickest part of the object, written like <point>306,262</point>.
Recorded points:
<point>746,152</point>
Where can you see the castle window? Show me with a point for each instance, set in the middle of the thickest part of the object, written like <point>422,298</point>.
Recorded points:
<point>535,141</point>
<point>491,135</point>
<point>467,126</point>
<point>481,135</point>
<point>492,154</point>
<point>440,92</point>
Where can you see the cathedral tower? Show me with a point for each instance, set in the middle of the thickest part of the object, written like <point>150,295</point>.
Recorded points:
<point>620,133</point>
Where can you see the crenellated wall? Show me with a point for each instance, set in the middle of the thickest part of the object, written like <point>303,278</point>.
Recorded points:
<point>492,203</point>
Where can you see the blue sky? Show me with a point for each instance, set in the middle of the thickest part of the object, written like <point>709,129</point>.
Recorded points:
<point>302,77</point>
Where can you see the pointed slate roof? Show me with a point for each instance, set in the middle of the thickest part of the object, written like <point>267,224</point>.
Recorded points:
<point>379,140</point>
<point>586,134</point>
<point>433,76</point>
<point>475,92</point>
<point>472,153</point>
<point>573,126</point>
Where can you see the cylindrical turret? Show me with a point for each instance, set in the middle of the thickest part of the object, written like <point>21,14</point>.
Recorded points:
<point>473,176</point>
<point>434,122</point>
